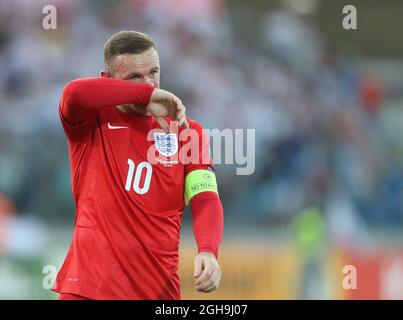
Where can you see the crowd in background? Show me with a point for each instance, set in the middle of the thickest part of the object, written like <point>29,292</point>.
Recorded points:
<point>324,134</point>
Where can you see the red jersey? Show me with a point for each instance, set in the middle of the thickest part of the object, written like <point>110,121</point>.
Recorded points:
<point>128,211</point>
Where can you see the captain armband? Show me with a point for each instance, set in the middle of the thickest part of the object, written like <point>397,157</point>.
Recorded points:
<point>199,181</point>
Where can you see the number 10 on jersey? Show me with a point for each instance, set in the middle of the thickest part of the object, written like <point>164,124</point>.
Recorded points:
<point>138,172</point>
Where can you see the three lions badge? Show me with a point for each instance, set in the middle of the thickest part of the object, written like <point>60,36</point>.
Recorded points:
<point>166,143</point>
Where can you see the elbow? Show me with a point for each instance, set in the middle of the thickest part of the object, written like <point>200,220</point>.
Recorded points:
<point>72,102</point>
<point>71,89</point>
<point>71,93</point>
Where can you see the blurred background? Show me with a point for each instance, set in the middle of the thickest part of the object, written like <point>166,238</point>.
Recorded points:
<point>325,202</point>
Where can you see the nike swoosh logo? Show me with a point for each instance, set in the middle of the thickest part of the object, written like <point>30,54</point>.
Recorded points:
<point>115,127</point>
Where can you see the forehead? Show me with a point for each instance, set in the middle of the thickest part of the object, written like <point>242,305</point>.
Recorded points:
<point>140,62</point>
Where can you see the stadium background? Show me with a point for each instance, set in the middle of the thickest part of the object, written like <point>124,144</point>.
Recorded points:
<point>326,104</point>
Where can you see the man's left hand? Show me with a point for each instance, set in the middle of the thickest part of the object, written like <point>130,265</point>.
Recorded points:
<point>207,272</point>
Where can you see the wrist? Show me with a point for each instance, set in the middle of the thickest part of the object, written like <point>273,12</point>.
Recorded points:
<point>207,252</point>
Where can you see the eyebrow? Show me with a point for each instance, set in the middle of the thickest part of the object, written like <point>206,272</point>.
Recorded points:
<point>139,74</point>
<point>131,75</point>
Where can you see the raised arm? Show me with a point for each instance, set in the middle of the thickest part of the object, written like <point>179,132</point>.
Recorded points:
<point>82,97</point>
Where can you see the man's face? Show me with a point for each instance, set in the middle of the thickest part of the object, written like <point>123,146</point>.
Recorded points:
<point>142,67</point>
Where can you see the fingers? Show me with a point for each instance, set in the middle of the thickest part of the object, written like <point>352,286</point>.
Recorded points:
<point>163,103</point>
<point>162,122</point>
<point>198,267</point>
<point>179,109</point>
<point>207,273</point>
<point>181,115</point>
<point>185,124</point>
<point>211,282</point>
<point>212,287</point>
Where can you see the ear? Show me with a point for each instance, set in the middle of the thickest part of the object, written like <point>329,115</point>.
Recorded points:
<point>105,74</point>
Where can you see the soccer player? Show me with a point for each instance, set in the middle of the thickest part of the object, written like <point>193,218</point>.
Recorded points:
<point>129,207</point>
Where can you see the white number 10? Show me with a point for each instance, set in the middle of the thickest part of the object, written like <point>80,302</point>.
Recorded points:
<point>137,176</point>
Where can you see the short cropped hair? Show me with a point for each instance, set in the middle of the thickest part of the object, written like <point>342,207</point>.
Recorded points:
<point>126,42</point>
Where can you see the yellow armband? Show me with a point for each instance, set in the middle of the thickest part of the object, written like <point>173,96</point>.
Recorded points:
<point>199,181</point>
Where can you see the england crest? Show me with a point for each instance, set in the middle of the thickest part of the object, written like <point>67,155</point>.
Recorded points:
<point>166,143</point>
